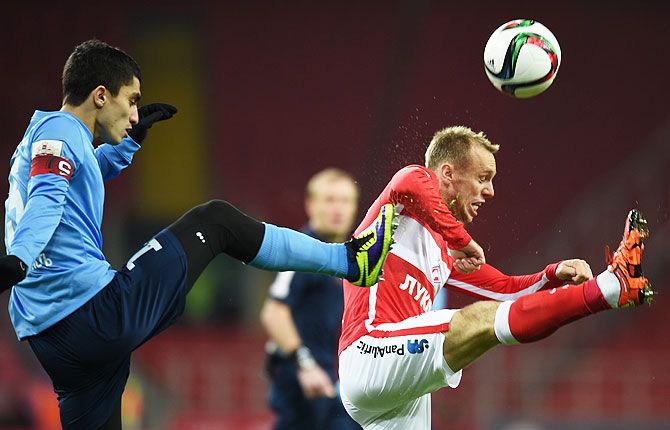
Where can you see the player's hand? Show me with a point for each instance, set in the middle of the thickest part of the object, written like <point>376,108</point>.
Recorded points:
<point>466,265</point>
<point>576,271</point>
<point>468,259</point>
<point>12,271</point>
<point>149,114</point>
<point>315,382</point>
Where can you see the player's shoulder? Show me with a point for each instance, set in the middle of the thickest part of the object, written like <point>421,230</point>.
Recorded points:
<point>58,126</point>
<point>54,120</point>
<point>415,169</point>
<point>282,285</point>
<point>412,173</point>
<point>58,131</point>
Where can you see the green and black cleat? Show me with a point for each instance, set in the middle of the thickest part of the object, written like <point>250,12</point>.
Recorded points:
<point>371,247</point>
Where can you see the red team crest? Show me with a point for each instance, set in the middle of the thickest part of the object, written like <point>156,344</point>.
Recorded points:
<point>435,275</point>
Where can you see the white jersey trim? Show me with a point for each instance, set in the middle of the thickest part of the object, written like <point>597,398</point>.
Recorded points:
<point>425,254</point>
<point>416,246</point>
<point>501,297</point>
<point>372,306</point>
<point>432,318</point>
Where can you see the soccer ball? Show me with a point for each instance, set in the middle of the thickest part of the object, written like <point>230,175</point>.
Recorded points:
<point>522,58</point>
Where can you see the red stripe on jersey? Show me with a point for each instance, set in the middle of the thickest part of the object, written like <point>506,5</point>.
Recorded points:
<point>51,164</point>
<point>439,328</point>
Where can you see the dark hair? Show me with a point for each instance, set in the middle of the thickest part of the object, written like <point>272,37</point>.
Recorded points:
<point>94,63</point>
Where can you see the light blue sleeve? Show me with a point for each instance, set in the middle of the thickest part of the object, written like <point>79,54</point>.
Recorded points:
<point>114,158</point>
<point>46,198</point>
<point>440,301</point>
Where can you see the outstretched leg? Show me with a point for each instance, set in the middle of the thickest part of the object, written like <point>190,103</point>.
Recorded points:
<point>218,227</point>
<point>470,334</point>
<point>479,327</point>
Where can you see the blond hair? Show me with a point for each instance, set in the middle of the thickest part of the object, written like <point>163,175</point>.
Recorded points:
<point>452,144</point>
<point>327,175</point>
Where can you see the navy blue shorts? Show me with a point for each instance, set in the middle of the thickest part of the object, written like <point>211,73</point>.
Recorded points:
<point>295,412</point>
<point>87,354</point>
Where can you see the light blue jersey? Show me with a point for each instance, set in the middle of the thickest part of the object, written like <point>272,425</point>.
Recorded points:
<point>53,216</point>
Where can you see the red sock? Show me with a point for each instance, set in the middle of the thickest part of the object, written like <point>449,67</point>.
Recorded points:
<point>536,316</point>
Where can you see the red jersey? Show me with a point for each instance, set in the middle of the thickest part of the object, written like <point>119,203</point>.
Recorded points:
<point>420,264</point>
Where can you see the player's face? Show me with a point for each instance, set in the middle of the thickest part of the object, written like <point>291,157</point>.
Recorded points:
<point>471,185</point>
<point>119,113</point>
<point>332,209</point>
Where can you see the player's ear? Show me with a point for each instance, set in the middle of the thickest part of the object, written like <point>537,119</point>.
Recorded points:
<point>446,172</point>
<point>100,95</point>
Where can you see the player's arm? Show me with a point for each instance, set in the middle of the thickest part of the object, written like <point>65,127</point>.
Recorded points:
<point>490,283</point>
<point>416,188</point>
<point>112,159</point>
<point>47,188</point>
<point>278,322</point>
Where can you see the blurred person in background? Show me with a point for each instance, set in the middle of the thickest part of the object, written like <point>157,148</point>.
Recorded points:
<point>302,317</point>
<point>82,318</point>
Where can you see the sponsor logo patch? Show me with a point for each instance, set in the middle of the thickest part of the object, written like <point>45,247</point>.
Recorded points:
<point>47,147</point>
<point>379,351</point>
<point>417,346</point>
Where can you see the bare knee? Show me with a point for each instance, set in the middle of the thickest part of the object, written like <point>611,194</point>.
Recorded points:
<point>471,333</point>
<point>475,320</point>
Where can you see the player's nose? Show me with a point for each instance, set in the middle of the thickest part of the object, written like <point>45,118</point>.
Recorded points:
<point>134,116</point>
<point>488,191</point>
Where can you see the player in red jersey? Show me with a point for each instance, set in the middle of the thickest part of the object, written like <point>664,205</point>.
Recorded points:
<point>394,351</point>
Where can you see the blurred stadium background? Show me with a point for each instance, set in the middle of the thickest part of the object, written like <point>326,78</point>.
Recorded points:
<point>271,92</point>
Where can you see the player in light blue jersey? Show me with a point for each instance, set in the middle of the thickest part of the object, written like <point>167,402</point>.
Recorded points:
<point>81,317</point>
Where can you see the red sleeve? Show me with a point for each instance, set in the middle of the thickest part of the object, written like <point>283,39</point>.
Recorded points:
<point>416,188</point>
<point>489,283</point>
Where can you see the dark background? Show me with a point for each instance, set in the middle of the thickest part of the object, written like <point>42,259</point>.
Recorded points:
<point>271,92</point>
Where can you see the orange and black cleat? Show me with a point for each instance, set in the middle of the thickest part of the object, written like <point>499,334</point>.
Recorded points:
<point>626,263</point>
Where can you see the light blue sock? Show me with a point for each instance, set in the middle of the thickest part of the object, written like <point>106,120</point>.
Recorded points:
<point>284,249</point>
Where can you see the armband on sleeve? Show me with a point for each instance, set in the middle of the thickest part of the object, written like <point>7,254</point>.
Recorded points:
<point>46,158</point>
<point>51,164</point>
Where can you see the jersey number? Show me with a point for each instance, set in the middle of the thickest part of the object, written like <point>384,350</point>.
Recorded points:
<point>152,244</point>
